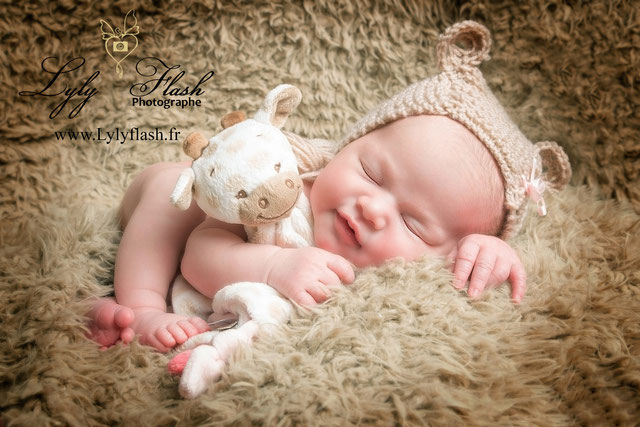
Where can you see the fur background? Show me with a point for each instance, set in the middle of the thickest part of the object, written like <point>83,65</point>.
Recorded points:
<point>398,346</point>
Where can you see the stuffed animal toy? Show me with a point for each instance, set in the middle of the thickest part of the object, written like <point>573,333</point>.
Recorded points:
<point>247,174</point>
<point>254,307</point>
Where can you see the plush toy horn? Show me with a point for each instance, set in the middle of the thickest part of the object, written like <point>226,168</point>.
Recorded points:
<point>194,144</point>
<point>232,118</point>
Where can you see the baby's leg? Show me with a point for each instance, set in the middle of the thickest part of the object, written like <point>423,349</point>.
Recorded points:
<point>154,236</point>
<point>149,256</point>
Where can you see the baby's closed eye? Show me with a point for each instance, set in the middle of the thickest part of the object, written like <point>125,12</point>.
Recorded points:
<point>418,229</point>
<point>369,173</point>
<point>409,223</point>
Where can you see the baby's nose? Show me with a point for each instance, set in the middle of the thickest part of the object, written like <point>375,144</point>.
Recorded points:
<point>373,210</point>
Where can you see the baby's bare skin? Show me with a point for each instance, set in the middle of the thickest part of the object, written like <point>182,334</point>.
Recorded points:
<point>367,208</point>
<point>154,234</point>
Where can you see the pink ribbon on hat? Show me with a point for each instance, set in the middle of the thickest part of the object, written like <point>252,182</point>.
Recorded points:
<point>534,188</point>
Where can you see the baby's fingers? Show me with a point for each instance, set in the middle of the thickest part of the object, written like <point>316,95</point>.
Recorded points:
<point>304,298</point>
<point>342,268</point>
<point>518,280</point>
<point>465,258</point>
<point>319,292</point>
<point>482,270</point>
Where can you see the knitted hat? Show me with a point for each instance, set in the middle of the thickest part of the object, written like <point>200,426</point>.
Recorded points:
<point>461,93</point>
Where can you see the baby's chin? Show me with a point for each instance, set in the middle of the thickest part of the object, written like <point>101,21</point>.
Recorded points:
<point>330,245</point>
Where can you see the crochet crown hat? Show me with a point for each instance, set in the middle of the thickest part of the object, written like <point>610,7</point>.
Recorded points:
<point>461,93</point>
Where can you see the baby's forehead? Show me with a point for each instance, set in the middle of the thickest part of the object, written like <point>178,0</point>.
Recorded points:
<point>434,148</point>
<point>424,136</point>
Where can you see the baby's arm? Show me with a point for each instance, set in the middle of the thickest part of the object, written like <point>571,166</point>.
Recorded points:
<point>217,255</point>
<point>490,261</point>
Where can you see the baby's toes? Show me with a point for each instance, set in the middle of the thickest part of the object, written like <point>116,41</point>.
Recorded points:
<point>178,333</point>
<point>127,335</point>
<point>188,328</point>
<point>165,338</point>
<point>153,341</point>
<point>123,317</point>
<point>199,324</point>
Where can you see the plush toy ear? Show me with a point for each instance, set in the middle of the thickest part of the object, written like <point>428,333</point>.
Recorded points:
<point>232,118</point>
<point>278,104</point>
<point>181,195</point>
<point>194,144</point>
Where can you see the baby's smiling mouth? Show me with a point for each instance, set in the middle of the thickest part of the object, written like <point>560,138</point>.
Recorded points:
<point>346,231</point>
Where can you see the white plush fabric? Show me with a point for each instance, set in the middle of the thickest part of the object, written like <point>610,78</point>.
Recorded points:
<point>257,306</point>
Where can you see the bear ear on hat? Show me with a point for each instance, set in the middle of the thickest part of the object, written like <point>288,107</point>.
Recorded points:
<point>463,45</point>
<point>555,163</point>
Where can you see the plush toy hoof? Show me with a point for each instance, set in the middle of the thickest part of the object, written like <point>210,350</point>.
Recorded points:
<point>178,362</point>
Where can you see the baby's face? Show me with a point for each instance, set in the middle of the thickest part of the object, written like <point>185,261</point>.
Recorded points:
<point>399,191</point>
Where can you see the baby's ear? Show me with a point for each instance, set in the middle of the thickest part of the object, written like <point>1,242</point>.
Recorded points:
<point>194,144</point>
<point>232,118</point>
<point>181,195</point>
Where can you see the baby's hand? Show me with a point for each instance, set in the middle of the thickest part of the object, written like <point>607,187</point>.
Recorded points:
<point>303,274</point>
<point>490,261</point>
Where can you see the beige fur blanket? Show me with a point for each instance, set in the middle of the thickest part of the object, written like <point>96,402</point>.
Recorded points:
<point>399,346</point>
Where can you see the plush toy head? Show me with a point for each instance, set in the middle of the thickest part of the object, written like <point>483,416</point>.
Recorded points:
<point>247,174</point>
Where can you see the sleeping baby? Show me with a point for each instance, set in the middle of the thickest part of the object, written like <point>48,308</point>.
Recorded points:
<point>438,170</point>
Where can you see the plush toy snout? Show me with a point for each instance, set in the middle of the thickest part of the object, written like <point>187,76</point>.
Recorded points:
<point>217,162</point>
<point>272,200</point>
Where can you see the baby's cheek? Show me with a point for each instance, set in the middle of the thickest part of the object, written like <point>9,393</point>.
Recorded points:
<point>386,249</point>
<point>398,248</point>
<point>321,241</point>
<point>319,228</point>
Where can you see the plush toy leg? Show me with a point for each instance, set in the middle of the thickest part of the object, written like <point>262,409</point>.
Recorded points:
<point>257,306</point>
<point>203,368</point>
<point>204,338</point>
<point>227,341</point>
<point>206,363</point>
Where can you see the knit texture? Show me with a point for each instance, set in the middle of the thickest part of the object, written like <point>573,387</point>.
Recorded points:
<point>461,93</point>
<point>312,154</point>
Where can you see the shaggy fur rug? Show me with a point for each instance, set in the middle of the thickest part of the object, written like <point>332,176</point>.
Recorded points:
<point>399,346</point>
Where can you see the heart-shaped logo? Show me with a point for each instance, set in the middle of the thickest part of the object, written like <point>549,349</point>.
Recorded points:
<point>119,44</point>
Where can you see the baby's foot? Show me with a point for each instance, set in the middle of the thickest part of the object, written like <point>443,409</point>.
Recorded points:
<point>110,322</point>
<point>165,330</point>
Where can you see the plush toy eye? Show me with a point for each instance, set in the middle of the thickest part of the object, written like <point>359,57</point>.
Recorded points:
<point>212,171</point>
<point>277,167</point>
<point>241,194</point>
